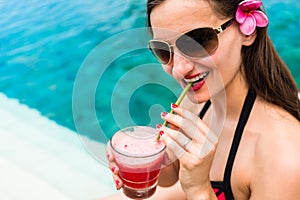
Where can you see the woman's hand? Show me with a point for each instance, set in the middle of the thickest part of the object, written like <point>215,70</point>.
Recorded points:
<point>113,167</point>
<point>194,145</point>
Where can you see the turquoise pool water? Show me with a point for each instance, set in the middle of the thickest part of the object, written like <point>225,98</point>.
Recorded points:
<point>43,44</point>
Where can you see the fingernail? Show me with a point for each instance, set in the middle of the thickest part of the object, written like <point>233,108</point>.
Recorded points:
<point>117,183</point>
<point>163,114</point>
<point>158,126</point>
<point>113,169</point>
<point>161,133</point>
<point>173,105</point>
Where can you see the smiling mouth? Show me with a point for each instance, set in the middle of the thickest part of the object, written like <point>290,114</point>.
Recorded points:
<point>197,79</point>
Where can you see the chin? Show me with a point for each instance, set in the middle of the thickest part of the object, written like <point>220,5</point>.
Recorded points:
<point>198,98</point>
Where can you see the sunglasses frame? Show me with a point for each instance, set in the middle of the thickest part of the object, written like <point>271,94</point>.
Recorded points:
<point>171,47</point>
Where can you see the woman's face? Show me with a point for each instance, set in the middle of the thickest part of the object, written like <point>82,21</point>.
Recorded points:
<point>174,17</point>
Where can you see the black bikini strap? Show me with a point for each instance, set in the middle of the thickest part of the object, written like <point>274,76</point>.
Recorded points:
<point>204,109</point>
<point>245,113</point>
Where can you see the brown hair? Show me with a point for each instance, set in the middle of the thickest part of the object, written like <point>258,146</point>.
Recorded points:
<point>264,70</point>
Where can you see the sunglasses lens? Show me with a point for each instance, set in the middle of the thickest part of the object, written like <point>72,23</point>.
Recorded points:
<point>198,43</point>
<point>161,51</point>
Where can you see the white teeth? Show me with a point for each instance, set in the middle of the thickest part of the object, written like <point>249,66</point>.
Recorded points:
<point>197,78</point>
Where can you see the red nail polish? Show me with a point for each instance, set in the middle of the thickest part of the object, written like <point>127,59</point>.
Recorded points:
<point>117,182</point>
<point>161,133</point>
<point>163,114</point>
<point>158,126</point>
<point>113,169</point>
<point>173,105</point>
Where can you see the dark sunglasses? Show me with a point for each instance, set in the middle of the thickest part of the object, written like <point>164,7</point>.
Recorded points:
<point>194,44</point>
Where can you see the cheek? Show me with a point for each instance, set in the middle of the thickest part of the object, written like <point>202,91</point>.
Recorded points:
<point>229,66</point>
<point>228,57</point>
<point>167,69</point>
<point>170,70</point>
<point>230,45</point>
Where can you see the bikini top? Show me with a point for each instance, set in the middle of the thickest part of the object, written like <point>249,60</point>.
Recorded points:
<point>223,189</point>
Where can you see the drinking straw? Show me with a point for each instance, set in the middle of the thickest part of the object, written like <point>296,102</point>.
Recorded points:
<point>180,98</point>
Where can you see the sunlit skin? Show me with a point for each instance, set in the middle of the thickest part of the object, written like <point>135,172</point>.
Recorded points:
<point>266,153</point>
<point>226,60</point>
<point>223,66</point>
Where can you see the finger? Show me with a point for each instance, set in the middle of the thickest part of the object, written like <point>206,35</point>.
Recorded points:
<point>114,168</point>
<point>118,182</point>
<point>203,138</point>
<point>115,174</point>
<point>172,126</point>
<point>177,136</point>
<point>181,154</point>
<point>199,150</point>
<point>186,114</point>
<point>201,126</point>
<point>111,161</point>
<point>186,125</point>
<point>172,145</point>
<point>191,151</point>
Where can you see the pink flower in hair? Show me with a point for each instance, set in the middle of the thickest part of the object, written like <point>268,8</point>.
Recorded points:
<point>248,16</point>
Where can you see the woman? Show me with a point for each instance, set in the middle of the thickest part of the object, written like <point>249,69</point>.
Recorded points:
<point>257,152</point>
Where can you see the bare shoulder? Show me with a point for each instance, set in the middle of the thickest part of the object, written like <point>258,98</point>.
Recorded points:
<point>276,164</point>
<point>275,124</point>
<point>278,146</point>
<point>273,121</point>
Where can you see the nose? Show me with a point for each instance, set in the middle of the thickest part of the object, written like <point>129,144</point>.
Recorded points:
<point>181,65</point>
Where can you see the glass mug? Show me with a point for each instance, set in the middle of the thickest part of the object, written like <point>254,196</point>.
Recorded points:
<point>138,155</point>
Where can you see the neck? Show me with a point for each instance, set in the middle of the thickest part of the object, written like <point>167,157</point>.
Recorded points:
<point>228,103</point>
<point>235,97</point>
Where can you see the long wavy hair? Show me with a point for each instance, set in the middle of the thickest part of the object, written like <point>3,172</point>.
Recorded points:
<point>264,70</point>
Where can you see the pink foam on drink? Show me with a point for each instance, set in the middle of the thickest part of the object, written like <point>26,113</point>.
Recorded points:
<point>129,144</point>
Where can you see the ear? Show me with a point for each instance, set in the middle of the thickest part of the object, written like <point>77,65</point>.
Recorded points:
<point>249,39</point>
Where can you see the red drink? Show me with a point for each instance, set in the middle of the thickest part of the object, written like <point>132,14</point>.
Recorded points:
<point>139,158</point>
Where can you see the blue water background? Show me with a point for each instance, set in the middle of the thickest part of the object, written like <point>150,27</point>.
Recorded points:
<point>43,43</point>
